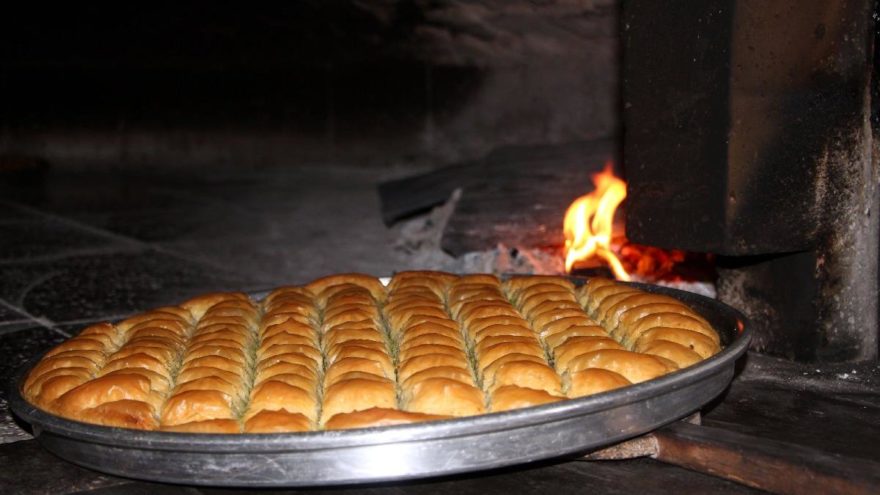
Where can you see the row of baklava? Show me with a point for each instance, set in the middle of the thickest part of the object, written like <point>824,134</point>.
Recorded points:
<point>346,352</point>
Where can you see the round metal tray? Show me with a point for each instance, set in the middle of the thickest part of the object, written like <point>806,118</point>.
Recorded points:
<point>400,452</point>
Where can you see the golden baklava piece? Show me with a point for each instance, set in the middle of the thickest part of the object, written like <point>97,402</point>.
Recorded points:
<point>347,351</point>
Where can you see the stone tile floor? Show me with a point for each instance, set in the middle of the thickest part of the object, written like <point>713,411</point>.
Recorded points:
<point>75,249</point>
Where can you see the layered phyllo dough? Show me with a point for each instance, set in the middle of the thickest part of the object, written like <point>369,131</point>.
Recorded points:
<point>347,351</point>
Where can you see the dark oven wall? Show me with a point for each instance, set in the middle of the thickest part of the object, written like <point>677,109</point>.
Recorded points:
<point>310,81</point>
<point>748,134</point>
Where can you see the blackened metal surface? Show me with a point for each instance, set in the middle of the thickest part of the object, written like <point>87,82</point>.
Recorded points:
<point>676,79</point>
<point>754,138</point>
<point>401,452</point>
<point>799,80</point>
<point>732,108</point>
<point>780,296</point>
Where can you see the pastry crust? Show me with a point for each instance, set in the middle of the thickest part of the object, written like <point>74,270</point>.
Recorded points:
<point>508,354</point>
<point>445,397</point>
<point>327,286</point>
<point>434,372</point>
<point>123,414</point>
<point>701,344</point>
<point>595,380</point>
<point>514,397</point>
<point>277,421</point>
<point>346,352</point>
<point>206,426</point>
<point>374,417</point>
<point>358,393</point>
<point>633,366</point>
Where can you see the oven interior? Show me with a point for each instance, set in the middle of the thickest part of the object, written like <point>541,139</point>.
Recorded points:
<point>151,154</point>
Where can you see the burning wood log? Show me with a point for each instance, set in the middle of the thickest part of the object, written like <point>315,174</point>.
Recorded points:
<point>516,195</point>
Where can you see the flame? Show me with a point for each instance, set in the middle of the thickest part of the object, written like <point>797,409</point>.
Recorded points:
<point>589,220</point>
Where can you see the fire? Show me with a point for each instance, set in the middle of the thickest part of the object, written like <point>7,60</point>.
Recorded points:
<point>589,221</point>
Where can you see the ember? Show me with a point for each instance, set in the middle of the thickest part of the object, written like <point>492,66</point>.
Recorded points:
<point>648,262</point>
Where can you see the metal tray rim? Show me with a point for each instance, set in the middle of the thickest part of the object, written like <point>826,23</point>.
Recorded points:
<point>338,439</point>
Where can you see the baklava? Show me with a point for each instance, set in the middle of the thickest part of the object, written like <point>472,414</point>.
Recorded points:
<point>346,351</point>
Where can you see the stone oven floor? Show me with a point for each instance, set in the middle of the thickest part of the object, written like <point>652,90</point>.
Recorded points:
<point>76,249</point>
<point>245,227</point>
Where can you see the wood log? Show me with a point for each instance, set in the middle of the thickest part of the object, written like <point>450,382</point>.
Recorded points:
<point>516,195</point>
<point>778,467</point>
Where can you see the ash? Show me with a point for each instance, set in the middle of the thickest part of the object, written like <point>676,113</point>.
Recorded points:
<point>701,287</point>
<point>418,240</point>
<point>418,247</point>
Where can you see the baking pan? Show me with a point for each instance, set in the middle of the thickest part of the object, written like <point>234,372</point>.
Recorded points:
<point>406,451</point>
